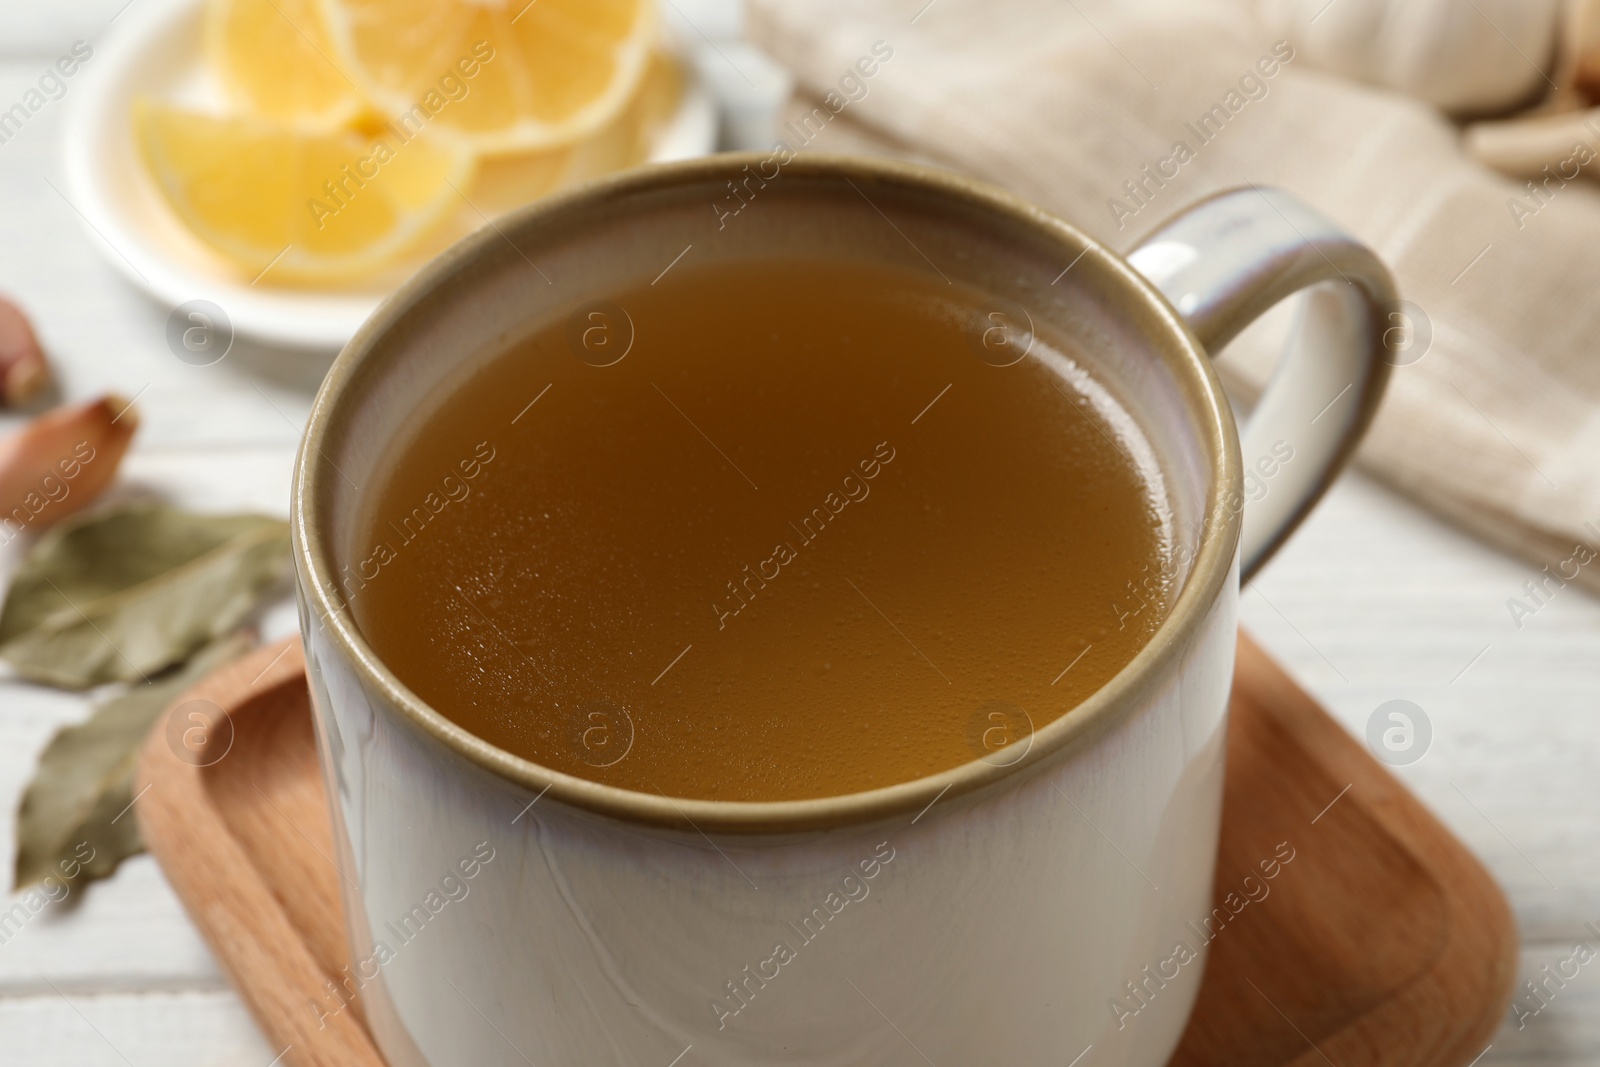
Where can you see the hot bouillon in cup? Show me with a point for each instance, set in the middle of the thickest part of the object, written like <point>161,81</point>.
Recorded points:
<point>768,531</point>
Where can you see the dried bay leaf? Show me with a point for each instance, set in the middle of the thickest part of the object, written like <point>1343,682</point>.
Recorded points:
<point>74,821</point>
<point>110,551</point>
<point>123,593</point>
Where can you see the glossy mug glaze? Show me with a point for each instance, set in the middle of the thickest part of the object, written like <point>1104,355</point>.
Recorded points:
<point>1015,910</point>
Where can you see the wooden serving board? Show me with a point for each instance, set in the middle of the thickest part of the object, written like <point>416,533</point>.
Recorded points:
<point>1382,942</point>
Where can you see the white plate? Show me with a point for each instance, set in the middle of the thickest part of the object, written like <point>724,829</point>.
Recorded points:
<point>156,51</point>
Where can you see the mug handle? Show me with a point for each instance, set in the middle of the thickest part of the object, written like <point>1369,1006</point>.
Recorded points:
<point>1224,262</point>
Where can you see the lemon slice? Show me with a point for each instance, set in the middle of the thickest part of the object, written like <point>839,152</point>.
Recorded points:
<point>627,140</point>
<point>309,206</point>
<point>274,59</point>
<point>504,182</point>
<point>509,75</point>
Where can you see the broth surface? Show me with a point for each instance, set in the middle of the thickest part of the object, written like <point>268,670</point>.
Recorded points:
<point>800,537</point>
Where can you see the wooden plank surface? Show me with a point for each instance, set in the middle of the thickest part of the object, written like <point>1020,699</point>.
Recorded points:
<point>1373,600</point>
<point>191,1028</point>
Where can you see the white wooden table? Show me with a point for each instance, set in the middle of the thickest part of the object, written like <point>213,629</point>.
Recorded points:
<point>1372,601</point>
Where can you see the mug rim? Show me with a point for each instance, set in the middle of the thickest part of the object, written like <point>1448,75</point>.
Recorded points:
<point>1077,728</point>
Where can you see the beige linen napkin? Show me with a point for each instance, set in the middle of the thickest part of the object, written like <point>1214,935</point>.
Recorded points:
<point>1496,425</point>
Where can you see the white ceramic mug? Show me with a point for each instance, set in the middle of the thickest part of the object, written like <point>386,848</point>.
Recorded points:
<point>503,914</point>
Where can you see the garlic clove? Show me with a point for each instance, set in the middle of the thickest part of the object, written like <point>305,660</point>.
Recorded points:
<point>1578,65</point>
<point>23,370</point>
<point>1523,147</point>
<point>1479,57</point>
<point>62,461</point>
